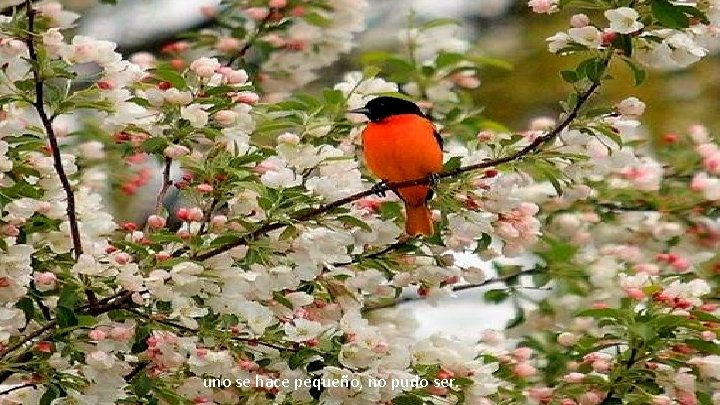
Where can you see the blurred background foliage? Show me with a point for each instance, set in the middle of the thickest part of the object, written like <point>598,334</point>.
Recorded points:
<point>503,29</point>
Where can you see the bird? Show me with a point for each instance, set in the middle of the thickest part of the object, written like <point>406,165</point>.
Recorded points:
<point>400,144</point>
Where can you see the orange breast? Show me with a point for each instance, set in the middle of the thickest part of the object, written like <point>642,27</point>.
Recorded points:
<point>402,147</point>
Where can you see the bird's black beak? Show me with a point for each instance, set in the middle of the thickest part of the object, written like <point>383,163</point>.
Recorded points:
<point>363,111</point>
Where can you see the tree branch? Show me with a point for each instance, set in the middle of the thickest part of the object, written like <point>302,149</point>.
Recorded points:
<point>39,105</point>
<point>166,183</point>
<point>306,214</point>
<point>240,54</point>
<point>105,305</point>
<point>17,387</point>
<point>457,288</point>
<point>196,331</point>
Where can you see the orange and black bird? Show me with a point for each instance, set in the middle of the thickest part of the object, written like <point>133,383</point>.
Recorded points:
<point>399,144</point>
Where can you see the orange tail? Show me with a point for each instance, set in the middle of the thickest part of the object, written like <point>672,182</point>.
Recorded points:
<point>419,220</point>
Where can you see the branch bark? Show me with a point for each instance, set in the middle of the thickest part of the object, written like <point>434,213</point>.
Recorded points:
<point>462,287</point>
<point>39,105</point>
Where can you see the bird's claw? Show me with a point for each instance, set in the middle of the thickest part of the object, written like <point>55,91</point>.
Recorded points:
<point>380,188</point>
<point>433,179</point>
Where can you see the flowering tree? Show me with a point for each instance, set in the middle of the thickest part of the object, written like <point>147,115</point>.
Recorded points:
<point>279,284</point>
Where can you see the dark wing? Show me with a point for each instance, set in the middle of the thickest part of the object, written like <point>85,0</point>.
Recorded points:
<point>438,138</point>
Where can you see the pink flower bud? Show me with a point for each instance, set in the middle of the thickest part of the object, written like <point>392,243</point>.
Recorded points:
<point>176,151</point>
<point>228,44</point>
<point>661,400</point>
<point>182,214</point>
<point>218,221</point>
<point>257,13</point>
<point>204,188</point>
<point>277,3</point>
<point>121,333</point>
<point>45,278</point>
<point>573,378</point>
<point>96,335</point>
<point>156,222</point>
<point>523,353</point>
<point>195,214</point>
<point>247,97</point>
<point>601,366</point>
<point>234,76</point>
<point>579,21</point>
<point>635,293</point>
<point>524,370</point>
<point>123,258</point>
<point>225,118</point>
<point>590,398</point>
<point>288,138</point>
<point>10,230</point>
<point>209,11</point>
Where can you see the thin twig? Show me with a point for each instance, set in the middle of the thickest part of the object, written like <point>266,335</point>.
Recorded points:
<point>17,387</point>
<point>374,255</point>
<point>628,365</point>
<point>207,216</point>
<point>240,54</point>
<point>136,370</point>
<point>196,331</point>
<point>457,288</point>
<point>30,336</point>
<point>306,214</point>
<point>47,124</point>
<point>166,183</point>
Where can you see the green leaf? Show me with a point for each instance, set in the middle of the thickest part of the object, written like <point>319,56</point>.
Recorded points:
<point>333,96</point>
<point>370,71</point>
<point>352,221</point>
<point>669,15</point>
<point>155,145</point>
<point>452,164</point>
<point>606,313</point>
<point>50,395</point>
<point>407,399</point>
<point>623,42</point>
<point>141,385</point>
<point>66,317</point>
<point>317,20</point>
<point>448,58</point>
<point>299,358</point>
<point>277,296</point>
<point>517,319</point>
<point>703,346</point>
<point>170,76</point>
<point>569,76</point>
<point>438,22</point>
<point>496,296</point>
<point>87,320</point>
<point>28,307</point>
<point>637,71</point>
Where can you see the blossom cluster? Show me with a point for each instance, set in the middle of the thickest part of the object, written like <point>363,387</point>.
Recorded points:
<point>260,274</point>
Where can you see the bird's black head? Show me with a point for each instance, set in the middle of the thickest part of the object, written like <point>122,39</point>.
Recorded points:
<point>380,108</point>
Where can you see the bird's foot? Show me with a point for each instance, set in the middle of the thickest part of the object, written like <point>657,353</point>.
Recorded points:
<point>433,179</point>
<point>380,188</point>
